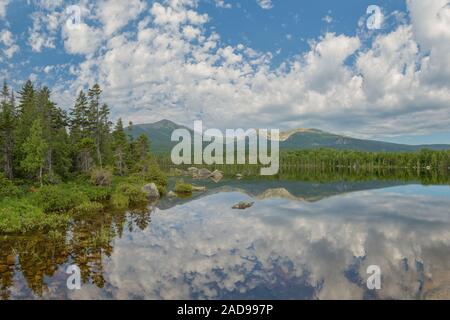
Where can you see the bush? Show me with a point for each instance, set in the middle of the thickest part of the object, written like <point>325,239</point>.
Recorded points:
<point>52,198</point>
<point>128,194</point>
<point>7,188</point>
<point>120,201</point>
<point>148,171</point>
<point>94,193</point>
<point>101,177</point>
<point>51,179</point>
<point>19,216</point>
<point>88,207</point>
<point>181,187</point>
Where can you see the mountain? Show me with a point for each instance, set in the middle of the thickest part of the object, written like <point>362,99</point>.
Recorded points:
<point>314,139</point>
<point>159,134</point>
<point>161,131</point>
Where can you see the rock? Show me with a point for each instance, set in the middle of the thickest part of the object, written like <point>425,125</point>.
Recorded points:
<point>216,176</point>
<point>243,205</point>
<point>151,190</point>
<point>198,189</point>
<point>171,194</point>
<point>192,170</point>
<point>239,176</point>
<point>202,174</point>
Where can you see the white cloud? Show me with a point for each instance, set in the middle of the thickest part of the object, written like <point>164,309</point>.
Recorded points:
<point>115,14</point>
<point>172,66</point>
<point>223,4</point>
<point>7,39</point>
<point>265,4</point>
<point>82,40</point>
<point>3,7</point>
<point>328,19</point>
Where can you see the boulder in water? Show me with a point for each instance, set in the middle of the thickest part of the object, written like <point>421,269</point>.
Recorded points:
<point>151,190</point>
<point>243,205</point>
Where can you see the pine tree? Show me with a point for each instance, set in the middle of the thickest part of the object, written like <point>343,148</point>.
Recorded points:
<point>79,119</point>
<point>35,149</point>
<point>94,120</point>
<point>26,110</point>
<point>105,135</point>
<point>120,147</point>
<point>7,125</point>
<point>141,147</point>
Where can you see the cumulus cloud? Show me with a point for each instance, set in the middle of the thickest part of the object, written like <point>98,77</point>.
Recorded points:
<point>115,14</point>
<point>3,7</point>
<point>173,67</point>
<point>170,64</point>
<point>265,4</point>
<point>223,4</point>
<point>10,47</point>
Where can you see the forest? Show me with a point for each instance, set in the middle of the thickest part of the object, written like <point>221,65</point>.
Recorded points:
<point>55,162</point>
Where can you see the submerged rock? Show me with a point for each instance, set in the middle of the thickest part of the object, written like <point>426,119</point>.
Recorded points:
<point>216,176</point>
<point>243,205</point>
<point>151,190</point>
<point>171,194</point>
<point>198,189</point>
<point>201,174</point>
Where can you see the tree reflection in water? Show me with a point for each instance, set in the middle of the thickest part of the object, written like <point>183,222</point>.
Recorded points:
<point>86,243</point>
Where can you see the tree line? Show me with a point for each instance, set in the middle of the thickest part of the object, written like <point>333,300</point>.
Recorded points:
<point>329,158</point>
<point>40,141</point>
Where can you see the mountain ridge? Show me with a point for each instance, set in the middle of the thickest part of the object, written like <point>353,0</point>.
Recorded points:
<point>296,139</point>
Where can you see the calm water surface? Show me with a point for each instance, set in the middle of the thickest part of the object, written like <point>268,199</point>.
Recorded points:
<point>298,241</point>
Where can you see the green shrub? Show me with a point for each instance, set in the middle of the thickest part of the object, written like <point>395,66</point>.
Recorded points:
<point>120,201</point>
<point>127,194</point>
<point>149,171</point>
<point>88,207</point>
<point>101,177</point>
<point>94,193</point>
<point>132,191</point>
<point>181,187</point>
<point>53,199</point>
<point>7,188</point>
<point>51,179</point>
<point>19,216</point>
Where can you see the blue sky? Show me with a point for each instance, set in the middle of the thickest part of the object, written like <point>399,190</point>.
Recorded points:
<point>253,63</point>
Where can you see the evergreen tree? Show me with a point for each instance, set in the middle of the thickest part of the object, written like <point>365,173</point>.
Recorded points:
<point>120,147</point>
<point>7,125</point>
<point>34,149</point>
<point>141,148</point>
<point>79,119</point>
<point>94,120</point>
<point>105,135</point>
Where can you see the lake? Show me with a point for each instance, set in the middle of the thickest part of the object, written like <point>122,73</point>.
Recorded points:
<point>299,240</point>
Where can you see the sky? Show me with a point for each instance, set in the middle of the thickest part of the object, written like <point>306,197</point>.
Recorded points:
<point>346,67</point>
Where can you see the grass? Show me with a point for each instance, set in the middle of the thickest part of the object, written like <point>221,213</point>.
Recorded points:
<point>28,208</point>
<point>183,188</point>
<point>20,216</point>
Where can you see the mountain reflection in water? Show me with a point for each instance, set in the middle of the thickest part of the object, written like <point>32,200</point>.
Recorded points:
<point>298,241</point>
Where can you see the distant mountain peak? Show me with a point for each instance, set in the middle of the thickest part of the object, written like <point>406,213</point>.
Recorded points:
<point>285,135</point>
